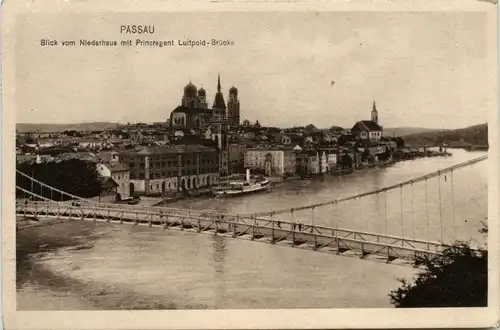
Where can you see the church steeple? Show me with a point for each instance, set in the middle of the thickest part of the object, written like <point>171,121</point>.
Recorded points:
<point>374,113</point>
<point>219,98</point>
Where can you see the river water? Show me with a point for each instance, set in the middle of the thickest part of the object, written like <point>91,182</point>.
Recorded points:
<point>125,267</point>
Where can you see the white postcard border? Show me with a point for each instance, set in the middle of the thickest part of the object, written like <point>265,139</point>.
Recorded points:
<point>237,319</point>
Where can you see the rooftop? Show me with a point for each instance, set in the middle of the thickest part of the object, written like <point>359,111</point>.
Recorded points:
<point>116,167</point>
<point>171,149</point>
<point>107,182</point>
<point>370,125</point>
<point>184,109</point>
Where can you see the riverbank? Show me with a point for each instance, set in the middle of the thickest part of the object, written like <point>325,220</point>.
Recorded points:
<point>205,193</point>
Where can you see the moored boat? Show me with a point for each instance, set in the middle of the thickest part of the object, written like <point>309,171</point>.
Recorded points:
<point>236,188</point>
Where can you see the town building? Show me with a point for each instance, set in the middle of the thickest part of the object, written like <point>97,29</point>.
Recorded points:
<point>85,156</point>
<point>34,159</point>
<point>118,172</point>
<point>93,143</point>
<point>307,162</point>
<point>323,162</point>
<point>368,131</point>
<point>271,161</point>
<point>109,190</point>
<point>162,169</point>
<point>292,139</point>
<point>237,157</point>
<point>331,160</point>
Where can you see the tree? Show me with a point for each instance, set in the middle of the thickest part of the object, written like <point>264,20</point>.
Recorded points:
<point>400,142</point>
<point>458,278</point>
<point>30,140</point>
<point>246,123</point>
<point>336,129</point>
<point>345,161</point>
<point>74,176</point>
<point>310,128</point>
<point>476,135</point>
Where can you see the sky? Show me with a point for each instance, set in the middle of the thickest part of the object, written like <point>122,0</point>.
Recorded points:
<point>422,69</point>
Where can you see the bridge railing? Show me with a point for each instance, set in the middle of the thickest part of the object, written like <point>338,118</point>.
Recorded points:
<point>73,197</point>
<point>88,202</point>
<point>198,219</point>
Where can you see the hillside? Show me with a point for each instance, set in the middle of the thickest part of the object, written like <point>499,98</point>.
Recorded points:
<point>403,131</point>
<point>95,126</point>
<point>475,135</point>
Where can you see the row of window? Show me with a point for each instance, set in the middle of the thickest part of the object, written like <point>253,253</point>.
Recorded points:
<point>171,174</point>
<point>175,164</point>
<point>164,174</point>
<point>120,176</point>
<point>371,133</point>
<point>189,183</point>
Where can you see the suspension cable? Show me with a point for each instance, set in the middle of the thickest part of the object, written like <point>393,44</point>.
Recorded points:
<point>426,211</point>
<point>33,180</point>
<point>32,177</point>
<point>440,209</point>
<point>360,208</point>
<point>385,212</point>
<point>402,213</point>
<point>452,200</point>
<point>86,200</point>
<point>391,187</point>
<point>333,216</point>
<point>335,220</point>
<point>413,210</point>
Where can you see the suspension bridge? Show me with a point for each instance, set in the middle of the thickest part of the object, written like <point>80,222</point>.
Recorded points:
<point>41,204</point>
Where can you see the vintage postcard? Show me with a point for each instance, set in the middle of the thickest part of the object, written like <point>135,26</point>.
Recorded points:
<point>252,165</point>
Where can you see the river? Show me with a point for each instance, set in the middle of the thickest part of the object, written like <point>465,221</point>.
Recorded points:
<point>126,267</point>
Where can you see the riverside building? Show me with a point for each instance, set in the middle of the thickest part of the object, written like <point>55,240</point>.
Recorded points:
<point>159,170</point>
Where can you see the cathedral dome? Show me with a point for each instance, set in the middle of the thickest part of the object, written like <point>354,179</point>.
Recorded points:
<point>233,90</point>
<point>190,90</point>
<point>202,92</point>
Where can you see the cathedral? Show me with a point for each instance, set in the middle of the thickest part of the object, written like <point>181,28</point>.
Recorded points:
<point>193,113</point>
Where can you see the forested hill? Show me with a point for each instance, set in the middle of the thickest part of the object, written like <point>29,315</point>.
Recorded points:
<point>472,135</point>
<point>404,131</point>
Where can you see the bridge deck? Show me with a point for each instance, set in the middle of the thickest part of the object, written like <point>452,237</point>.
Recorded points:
<point>321,238</point>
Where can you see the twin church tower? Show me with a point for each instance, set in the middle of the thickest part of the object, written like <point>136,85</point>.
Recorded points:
<point>194,111</point>
<point>194,115</point>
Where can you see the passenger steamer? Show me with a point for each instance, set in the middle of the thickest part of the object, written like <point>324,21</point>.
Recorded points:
<point>236,188</point>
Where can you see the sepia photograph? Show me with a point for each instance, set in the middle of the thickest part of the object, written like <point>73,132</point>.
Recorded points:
<point>310,160</point>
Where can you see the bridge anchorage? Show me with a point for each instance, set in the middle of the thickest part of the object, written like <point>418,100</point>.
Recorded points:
<point>260,227</point>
